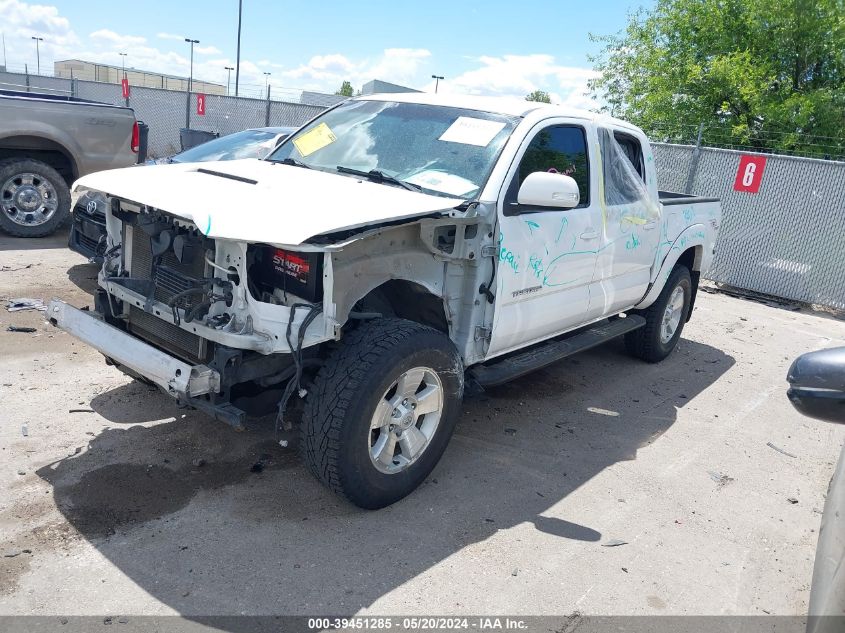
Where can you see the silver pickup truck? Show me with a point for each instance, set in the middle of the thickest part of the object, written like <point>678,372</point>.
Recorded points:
<point>47,142</point>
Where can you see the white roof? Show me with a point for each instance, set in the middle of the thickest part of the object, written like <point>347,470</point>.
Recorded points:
<point>511,106</point>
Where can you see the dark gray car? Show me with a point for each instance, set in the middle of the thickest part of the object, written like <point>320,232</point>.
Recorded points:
<point>88,231</point>
<point>817,389</point>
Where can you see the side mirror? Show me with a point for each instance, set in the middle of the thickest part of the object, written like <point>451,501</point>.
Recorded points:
<point>817,384</point>
<point>545,189</point>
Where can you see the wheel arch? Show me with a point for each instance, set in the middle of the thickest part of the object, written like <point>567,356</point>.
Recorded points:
<point>406,299</point>
<point>688,250</point>
<point>43,149</point>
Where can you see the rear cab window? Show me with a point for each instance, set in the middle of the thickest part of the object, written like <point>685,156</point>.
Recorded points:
<point>623,167</point>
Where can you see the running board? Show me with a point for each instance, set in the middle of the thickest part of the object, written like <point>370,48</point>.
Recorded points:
<point>537,357</point>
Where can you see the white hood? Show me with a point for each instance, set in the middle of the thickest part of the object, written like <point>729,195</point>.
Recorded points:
<point>263,201</point>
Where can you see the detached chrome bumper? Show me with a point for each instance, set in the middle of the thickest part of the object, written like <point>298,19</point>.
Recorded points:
<point>178,378</point>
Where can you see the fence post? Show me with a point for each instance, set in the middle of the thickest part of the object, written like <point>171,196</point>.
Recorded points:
<point>188,107</point>
<point>72,87</point>
<point>693,165</point>
<point>26,73</point>
<point>267,113</point>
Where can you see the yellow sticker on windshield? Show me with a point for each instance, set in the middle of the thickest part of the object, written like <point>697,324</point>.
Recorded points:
<point>314,139</point>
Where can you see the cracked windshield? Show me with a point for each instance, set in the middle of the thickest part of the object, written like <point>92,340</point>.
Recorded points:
<point>453,149</point>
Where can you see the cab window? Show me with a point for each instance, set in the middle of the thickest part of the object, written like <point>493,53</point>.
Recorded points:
<point>557,149</point>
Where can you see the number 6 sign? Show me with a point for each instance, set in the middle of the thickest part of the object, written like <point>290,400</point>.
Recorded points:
<point>750,173</point>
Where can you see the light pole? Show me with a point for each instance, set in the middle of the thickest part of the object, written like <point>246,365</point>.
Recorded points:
<point>266,80</point>
<point>190,84</point>
<point>228,78</point>
<point>437,79</point>
<point>238,61</point>
<point>38,52</point>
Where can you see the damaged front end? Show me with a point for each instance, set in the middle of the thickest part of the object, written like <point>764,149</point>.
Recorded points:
<point>212,322</point>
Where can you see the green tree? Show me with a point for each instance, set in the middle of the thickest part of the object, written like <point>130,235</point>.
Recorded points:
<point>345,90</point>
<point>538,95</point>
<point>769,74</point>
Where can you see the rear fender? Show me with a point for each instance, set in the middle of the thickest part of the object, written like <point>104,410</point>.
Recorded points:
<point>693,237</point>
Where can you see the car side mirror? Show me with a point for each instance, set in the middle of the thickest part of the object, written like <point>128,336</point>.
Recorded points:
<point>548,189</point>
<point>817,384</point>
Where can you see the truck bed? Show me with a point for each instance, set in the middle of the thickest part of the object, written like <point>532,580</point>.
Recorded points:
<point>668,198</point>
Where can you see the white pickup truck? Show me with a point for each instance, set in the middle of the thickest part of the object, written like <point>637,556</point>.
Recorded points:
<point>393,246</point>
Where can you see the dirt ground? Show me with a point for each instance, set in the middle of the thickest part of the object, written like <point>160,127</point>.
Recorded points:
<point>112,500</point>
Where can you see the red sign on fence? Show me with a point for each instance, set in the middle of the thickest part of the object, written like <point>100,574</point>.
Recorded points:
<point>124,84</point>
<point>750,173</point>
<point>201,104</point>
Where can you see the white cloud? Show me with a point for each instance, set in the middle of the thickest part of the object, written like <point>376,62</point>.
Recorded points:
<point>518,75</point>
<point>399,65</point>
<point>21,21</point>
<point>206,50</point>
<point>328,72</point>
<point>115,39</point>
<point>170,36</point>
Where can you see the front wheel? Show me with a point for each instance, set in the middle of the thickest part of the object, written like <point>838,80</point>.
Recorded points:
<point>665,319</point>
<point>382,410</point>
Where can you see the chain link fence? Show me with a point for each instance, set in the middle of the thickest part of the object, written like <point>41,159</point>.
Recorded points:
<point>165,111</point>
<point>787,240</point>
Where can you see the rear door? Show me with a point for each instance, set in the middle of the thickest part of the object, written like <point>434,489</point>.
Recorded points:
<point>631,226</point>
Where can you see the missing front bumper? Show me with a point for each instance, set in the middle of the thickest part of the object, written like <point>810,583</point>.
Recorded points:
<point>180,379</point>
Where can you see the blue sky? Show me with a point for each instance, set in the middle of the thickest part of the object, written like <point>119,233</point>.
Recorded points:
<point>487,48</point>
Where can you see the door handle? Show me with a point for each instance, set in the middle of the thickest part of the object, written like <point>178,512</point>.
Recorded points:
<point>589,234</point>
<point>648,226</point>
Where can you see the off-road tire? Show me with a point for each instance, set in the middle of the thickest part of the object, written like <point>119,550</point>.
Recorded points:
<point>339,407</point>
<point>645,342</point>
<point>11,166</point>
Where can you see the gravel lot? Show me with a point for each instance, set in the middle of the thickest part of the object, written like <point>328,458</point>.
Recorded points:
<point>115,501</point>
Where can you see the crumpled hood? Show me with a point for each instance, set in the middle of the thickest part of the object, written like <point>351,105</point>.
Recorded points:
<point>253,200</point>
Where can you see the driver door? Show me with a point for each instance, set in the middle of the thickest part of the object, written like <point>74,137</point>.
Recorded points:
<point>546,256</point>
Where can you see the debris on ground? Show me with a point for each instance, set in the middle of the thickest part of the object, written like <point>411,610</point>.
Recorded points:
<point>198,463</point>
<point>514,572</point>
<point>792,500</point>
<point>510,431</point>
<point>21,472</point>
<point>81,411</point>
<point>614,542</point>
<point>257,467</point>
<point>719,478</point>
<point>780,450</point>
<point>25,303</point>
<point>12,553</point>
<point>18,328</point>
<point>9,269</point>
<point>24,430</point>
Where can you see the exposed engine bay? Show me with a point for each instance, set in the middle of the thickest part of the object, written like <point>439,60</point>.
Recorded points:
<point>212,302</point>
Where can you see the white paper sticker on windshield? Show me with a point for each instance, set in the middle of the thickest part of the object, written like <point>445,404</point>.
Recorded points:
<point>443,182</point>
<point>471,131</point>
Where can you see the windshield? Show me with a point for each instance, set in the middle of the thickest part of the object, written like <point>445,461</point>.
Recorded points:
<point>246,144</point>
<point>440,150</point>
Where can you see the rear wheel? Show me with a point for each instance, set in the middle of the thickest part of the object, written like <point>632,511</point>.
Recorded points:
<point>382,410</point>
<point>34,198</point>
<point>665,319</point>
